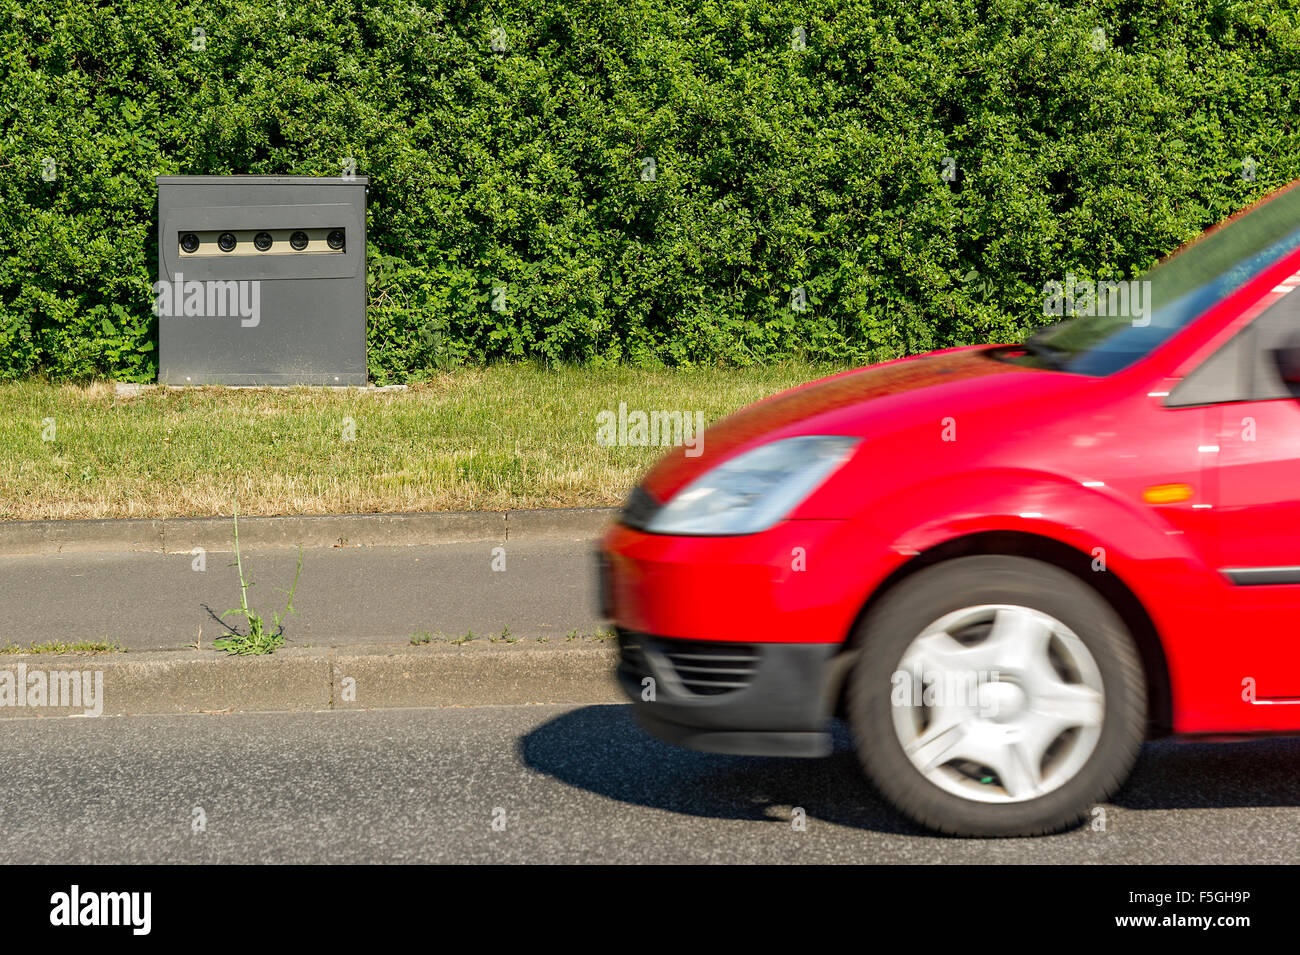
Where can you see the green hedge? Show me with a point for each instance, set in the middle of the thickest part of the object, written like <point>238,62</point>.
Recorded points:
<point>775,168</point>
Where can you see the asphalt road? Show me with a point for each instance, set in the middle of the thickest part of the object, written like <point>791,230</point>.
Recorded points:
<point>346,595</point>
<point>573,784</point>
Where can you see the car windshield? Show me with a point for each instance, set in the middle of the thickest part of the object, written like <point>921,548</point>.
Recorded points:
<point>1124,321</point>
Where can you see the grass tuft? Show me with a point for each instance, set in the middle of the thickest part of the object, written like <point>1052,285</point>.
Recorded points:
<point>57,646</point>
<point>259,639</point>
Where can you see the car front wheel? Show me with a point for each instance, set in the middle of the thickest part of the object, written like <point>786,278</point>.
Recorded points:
<point>996,696</point>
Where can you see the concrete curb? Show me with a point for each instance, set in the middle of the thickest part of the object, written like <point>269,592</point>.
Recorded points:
<point>182,535</point>
<point>309,678</point>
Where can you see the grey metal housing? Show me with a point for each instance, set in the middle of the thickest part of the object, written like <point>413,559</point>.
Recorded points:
<point>310,322</point>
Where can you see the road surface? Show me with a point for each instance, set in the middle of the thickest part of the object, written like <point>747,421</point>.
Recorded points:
<point>572,784</point>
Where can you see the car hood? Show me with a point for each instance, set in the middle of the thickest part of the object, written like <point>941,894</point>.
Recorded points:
<point>954,378</point>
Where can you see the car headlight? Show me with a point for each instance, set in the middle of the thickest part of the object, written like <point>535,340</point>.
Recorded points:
<point>753,491</point>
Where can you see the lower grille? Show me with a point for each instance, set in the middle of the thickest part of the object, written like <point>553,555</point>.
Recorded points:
<point>704,668</point>
<point>632,654</point>
<point>708,669</point>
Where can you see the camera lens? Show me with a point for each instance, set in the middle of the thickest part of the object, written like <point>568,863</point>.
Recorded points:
<point>190,242</point>
<point>335,239</point>
<point>262,241</point>
<point>299,241</point>
<point>226,242</point>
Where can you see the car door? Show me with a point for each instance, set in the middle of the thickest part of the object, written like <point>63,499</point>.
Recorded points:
<point>1256,526</point>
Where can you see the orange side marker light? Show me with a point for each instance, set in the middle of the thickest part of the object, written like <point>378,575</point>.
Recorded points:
<point>1167,493</point>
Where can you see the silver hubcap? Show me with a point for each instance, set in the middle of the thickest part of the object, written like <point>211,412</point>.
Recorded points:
<point>998,703</point>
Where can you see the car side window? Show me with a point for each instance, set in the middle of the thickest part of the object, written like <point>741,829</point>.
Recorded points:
<point>1245,368</point>
<point>1270,331</point>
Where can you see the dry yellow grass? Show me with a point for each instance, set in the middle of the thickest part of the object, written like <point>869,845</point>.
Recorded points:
<point>477,439</point>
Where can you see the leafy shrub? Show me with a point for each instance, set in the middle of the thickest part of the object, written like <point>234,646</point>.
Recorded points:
<point>640,181</point>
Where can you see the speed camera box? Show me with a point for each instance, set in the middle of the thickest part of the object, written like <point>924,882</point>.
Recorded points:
<point>261,280</point>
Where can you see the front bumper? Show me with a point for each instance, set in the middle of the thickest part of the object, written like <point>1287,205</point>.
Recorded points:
<point>754,699</point>
<point>802,581</point>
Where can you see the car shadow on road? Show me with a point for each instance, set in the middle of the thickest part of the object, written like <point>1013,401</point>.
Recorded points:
<point>601,749</point>
<point>1184,775</point>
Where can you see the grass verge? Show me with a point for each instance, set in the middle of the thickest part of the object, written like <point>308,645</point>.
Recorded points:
<point>474,439</point>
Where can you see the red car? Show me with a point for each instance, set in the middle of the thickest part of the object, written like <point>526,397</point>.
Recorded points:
<point>1004,566</point>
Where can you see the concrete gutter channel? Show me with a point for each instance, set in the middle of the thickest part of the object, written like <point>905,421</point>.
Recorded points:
<point>326,678</point>
<point>313,678</point>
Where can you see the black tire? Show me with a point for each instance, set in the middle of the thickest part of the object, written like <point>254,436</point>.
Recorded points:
<point>907,609</point>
